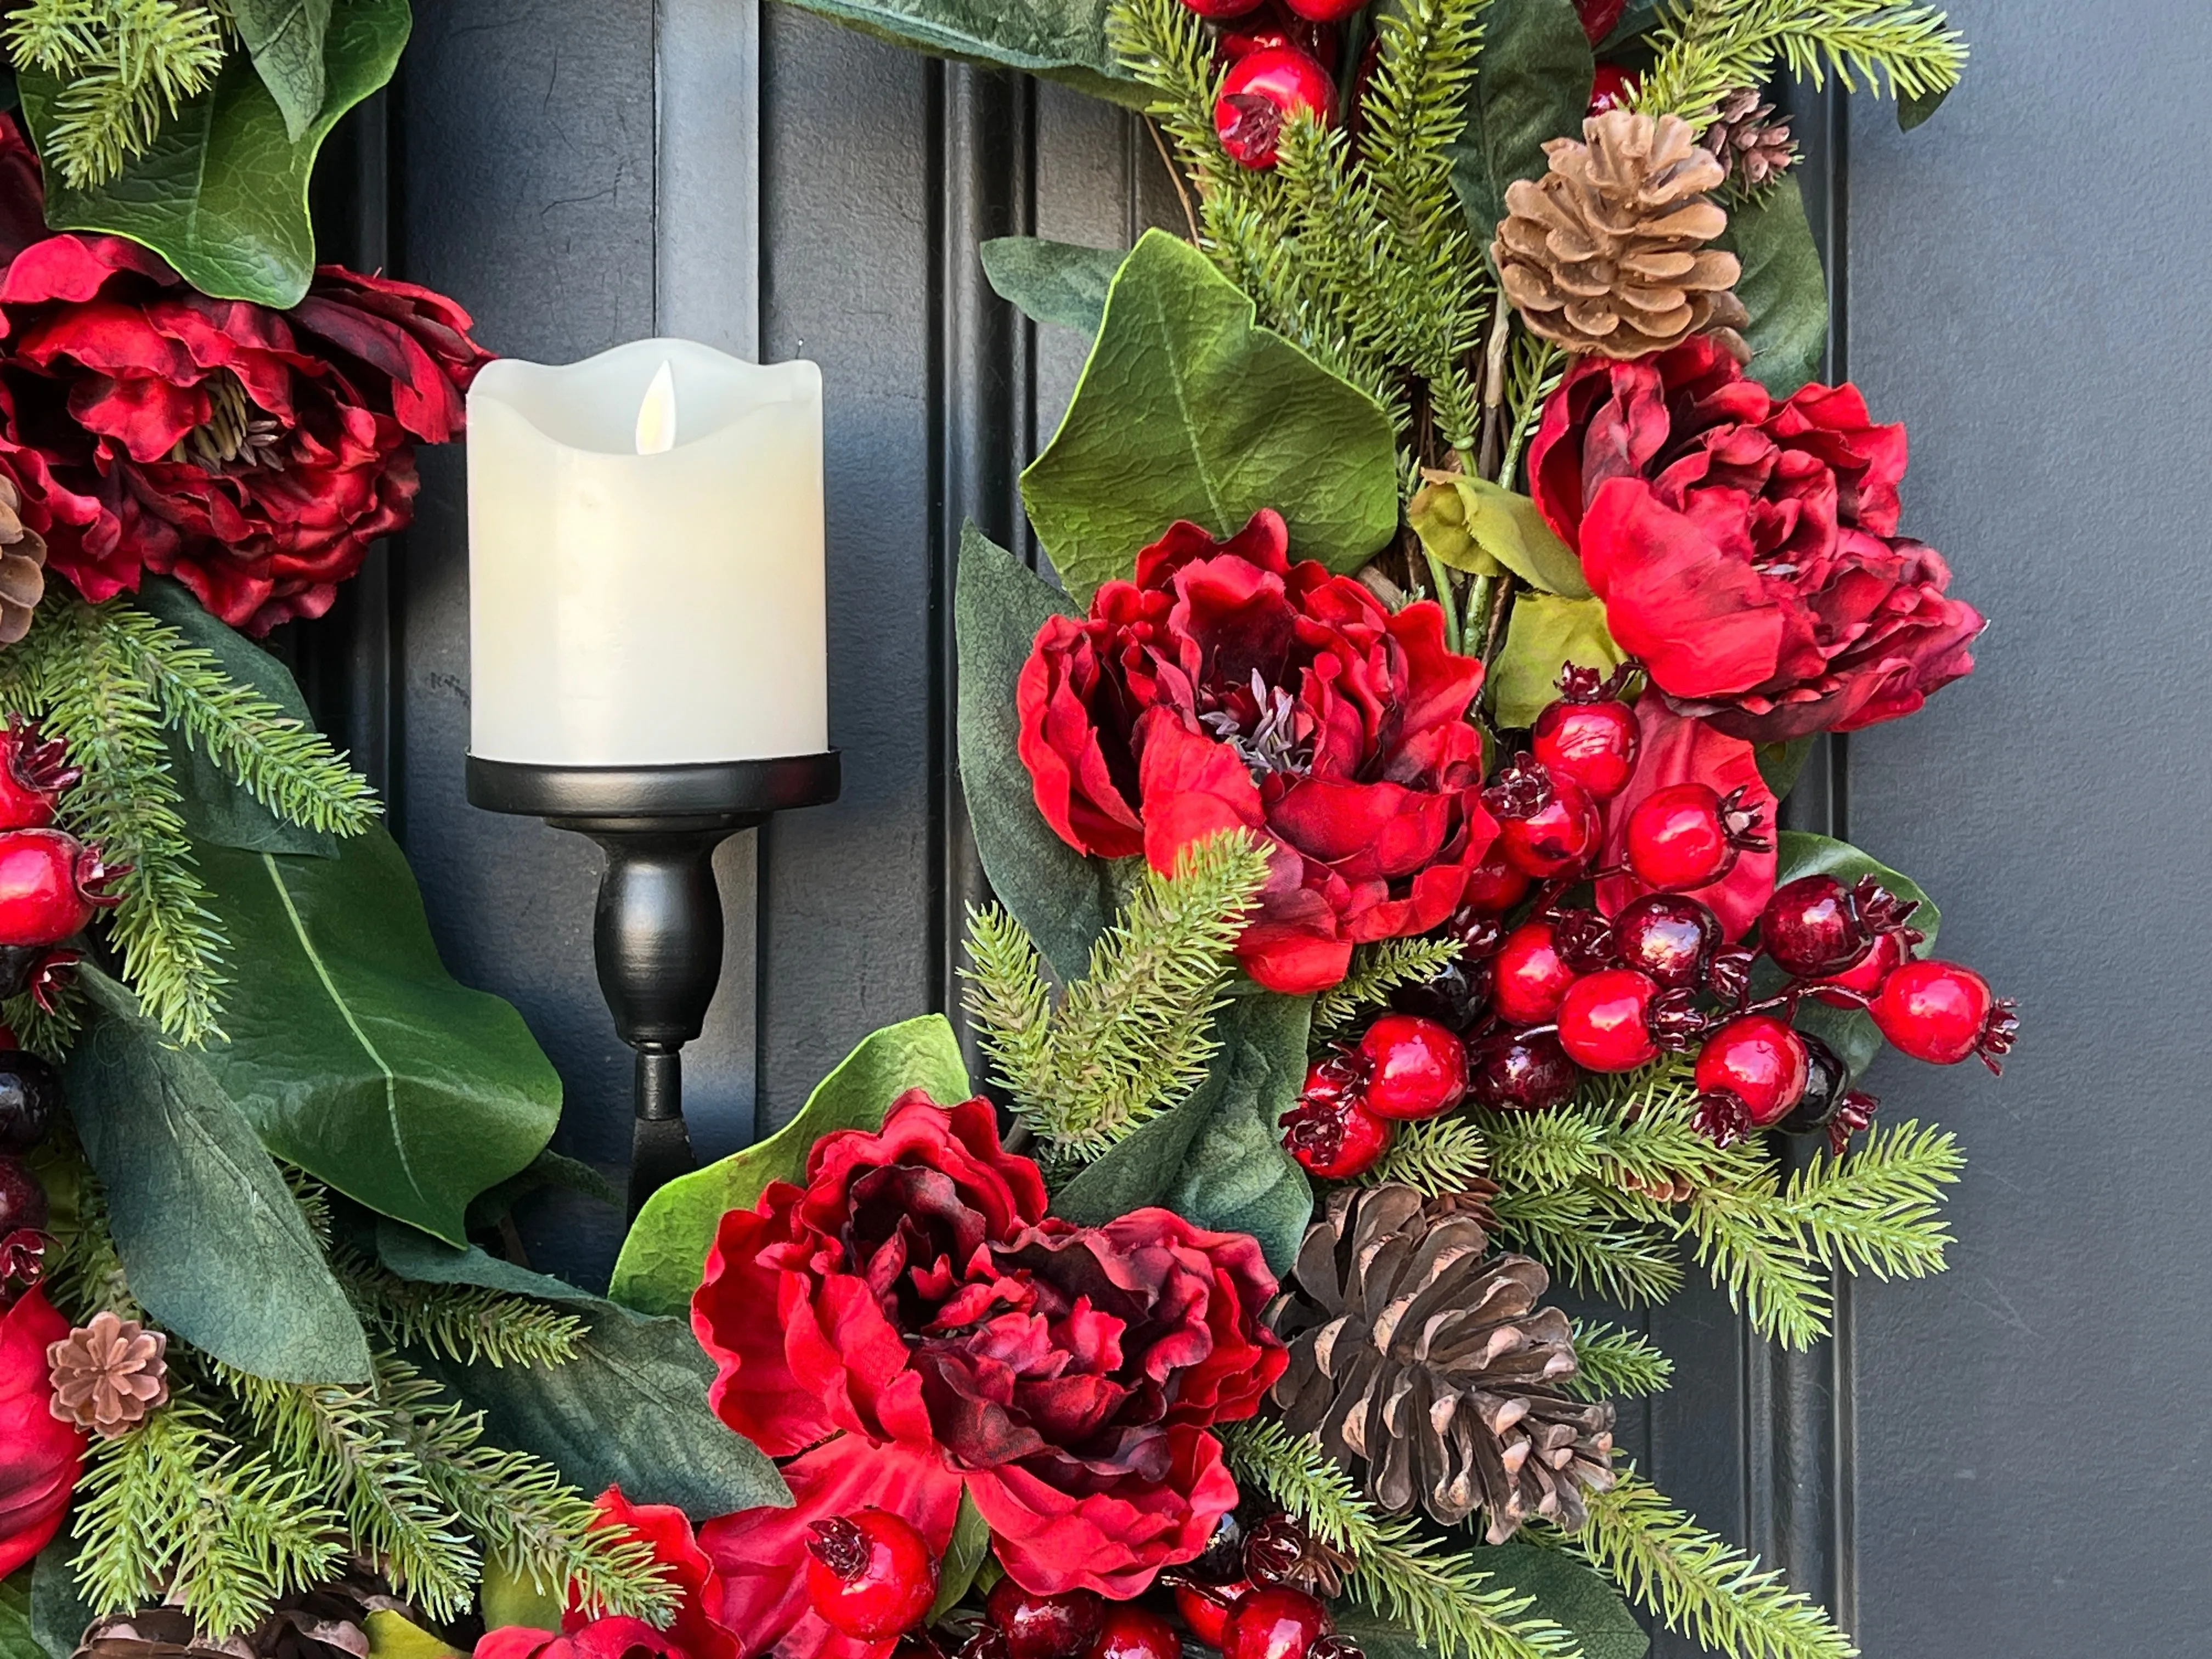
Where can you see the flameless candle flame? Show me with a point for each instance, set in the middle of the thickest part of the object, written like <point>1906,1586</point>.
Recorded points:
<point>656,415</point>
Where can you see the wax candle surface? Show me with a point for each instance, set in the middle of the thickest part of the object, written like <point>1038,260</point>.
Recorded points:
<point>638,610</point>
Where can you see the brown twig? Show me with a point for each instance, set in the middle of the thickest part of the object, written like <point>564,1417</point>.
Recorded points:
<point>1494,393</point>
<point>1175,177</point>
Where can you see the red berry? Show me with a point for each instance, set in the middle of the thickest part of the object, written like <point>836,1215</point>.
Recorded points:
<point>870,1575</point>
<point>1614,88</point>
<point>22,1200</point>
<point>1133,1633</point>
<point>30,1097</point>
<point>1812,928</point>
<point>1324,11</point>
<point>1687,835</point>
<point>1495,885</point>
<point>1557,837</point>
<point>1667,935</point>
<point>1221,8</point>
<point>49,886</point>
<point>1591,744</point>
<point>1260,93</point>
<point>1941,1012</point>
<point>34,773</point>
<point>1045,1626</point>
<point>1856,983</point>
<point>1759,1062</point>
<point>1416,1067</point>
<point>1271,25</point>
<point>1600,17</point>
<point>1528,976</point>
<point>1275,1622</point>
<point>1205,1607</point>
<point>1605,1021</point>
<point>1336,1140</point>
<point>1513,1071</point>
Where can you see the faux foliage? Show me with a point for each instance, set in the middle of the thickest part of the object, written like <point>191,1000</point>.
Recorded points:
<point>1706,49</point>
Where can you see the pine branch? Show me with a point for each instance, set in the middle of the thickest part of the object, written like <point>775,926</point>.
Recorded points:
<point>1009,1003</point>
<point>1444,1597</point>
<point>466,1323</point>
<point>1877,1210</point>
<point>1702,1588</point>
<point>1592,1247</point>
<point>1612,1364</point>
<point>1377,970</point>
<point>1538,367</point>
<point>50,1032</point>
<point>1708,48</point>
<point>1440,1156</point>
<point>127,64</point>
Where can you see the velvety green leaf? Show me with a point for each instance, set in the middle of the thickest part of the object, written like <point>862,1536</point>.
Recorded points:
<point>963,1557</point>
<point>1780,764</point>
<point>1532,84</point>
<point>393,1636</point>
<point>508,1597</point>
<point>666,1251</point>
<point>1543,635</point>
<point>1061,39</point>
<point>1471,524</point>
<point>1783,286</point>
<point>285,37</point>
<point>1218,1158</point>
<point>59,1612</point>
<point>1063,898</point>
<point>213,1242</point>
<point>548,1169</point>
<point>1060,282</point>
<point>17,1641</point>
<point>221,194</point>
<point>1188,409</point>
<point>1850,1031</point>
<point>354,1053</point>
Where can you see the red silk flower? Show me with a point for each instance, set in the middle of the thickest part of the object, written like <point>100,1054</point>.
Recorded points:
<point>252,453</point>
<point>912,1324</point>
<point>1675,749</point>
<point>1745,549</point>
<point>39,1455</point>
<point>694,1634</point>
<point>1227,687</point>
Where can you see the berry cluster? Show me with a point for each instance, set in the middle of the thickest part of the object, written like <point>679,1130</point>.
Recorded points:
<point>1281,56</point>
<point>30,1100</point>
<point>1545,992</point>
<point>51,884</point>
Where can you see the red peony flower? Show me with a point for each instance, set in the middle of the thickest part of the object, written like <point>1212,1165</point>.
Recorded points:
<point>932,1331</point>
<point>253,454</point>
<point>1747,551</point>
<point>694,1634</point>
<point>1674,749</point>
<point>614,1638</point>
<point>1227,688</point>
<point>39,1453</point>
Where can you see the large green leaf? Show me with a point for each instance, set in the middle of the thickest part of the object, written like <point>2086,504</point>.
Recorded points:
<point>354,1053</point>
<point>214,1244</point>
<point>963,1557</point>
<point>1061,39</point>
<point>1783,286</point>
<point>667,1249</point>
<point>221,194</point>
<point>1062,898</point>
<point>286,39</point>
<point>1547,633</point>
<point>1850,1031</point>
<point>1474,525</point>
<point>17,1641</point>
<point>1217,1159</point>
<point>1060,282</point>
<point>1188,409</point>
<point>1531,84</point>
<point>59,1612</point>
<point>1562,1590</point>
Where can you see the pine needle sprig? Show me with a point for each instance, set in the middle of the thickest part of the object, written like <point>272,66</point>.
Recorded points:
<point>1377,970</point>
<point>1877,1211</point>
<point>1708,48</point>
<point>1442,1595</point>
<point>49,1032</point>
<point>1585,1241</point>
<point>127,64</point>
<point>1535,370</point>
<point>465,1323</point>
<point>1700,1586</point>
<point>1434,1158</point>
<point>1613,1363</point>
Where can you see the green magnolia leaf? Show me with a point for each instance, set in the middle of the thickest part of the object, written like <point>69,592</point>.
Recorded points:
<point>1217,1159</point>
<point>666,1251</point>
<point>1059,39</point>
<point>1063,898</point>
<point>393,1636</point>
<point>548,1169</point>
<point>1471,524</point>
<point>1850,1031</point>
<point>1780,764</point>
<point>508,1597</point>
<point>214,1244</point>
<point>17,1641</point>
<point>59,1612</point>
<point>1188,409</point>
<point>285,37</point>
<point>963,1557</point>
<point>1545,634</point>
<point>221,194</point>
<point>1783,286</point>
<point>1532,84</point>
<point>1060,282</point>
<point>351,1049</point>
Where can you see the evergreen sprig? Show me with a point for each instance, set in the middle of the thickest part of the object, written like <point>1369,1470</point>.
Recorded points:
<point>1708,48</point>
<point>1613,1363</point>
<point>1701,1586</point>
<point>461,1322</point>
<point>1440,1156</point>
<point>1578,1233</point>
<point>127,64</point>
<point>1377,970</point>
<point>1134,1035</point>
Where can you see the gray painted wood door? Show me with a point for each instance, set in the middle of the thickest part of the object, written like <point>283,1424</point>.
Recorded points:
<point>2005,1462</point>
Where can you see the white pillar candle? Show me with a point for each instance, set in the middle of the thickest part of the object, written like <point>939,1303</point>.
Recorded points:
<point>645,560</point>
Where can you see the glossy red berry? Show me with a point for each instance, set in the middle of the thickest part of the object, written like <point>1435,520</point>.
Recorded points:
<point>1336,1140</point>
<point>1588,736</point>
<point>1515,1072</point>
<point>1274,1622</point>
<point>1605,1021</point>
<point>49,886</point>
<point>1272,25</point>
<point>1687,835</point>
<point>870,1575</point>
<point>1045,1626</point>
<point>1205,1607</point>
<point>1669,936</point>
<point>1759,1063</point>
<point>1130,1632</point>
<point>1495,885</point>
<point>1324,11</point>
<point>1613,88</point>
<point>22,1200</point>
<point>30,1098</point>
<point>1812,929</point>
<point>1218,8</point>
<point>1557,837</point>
<point>1941,1012</point>
<point>1600,17</point>
<point>34,771</point>
<point>1528,976</point>
<point>1260,93</point>
<point>1853,987</point>
<point>1416,1068</point>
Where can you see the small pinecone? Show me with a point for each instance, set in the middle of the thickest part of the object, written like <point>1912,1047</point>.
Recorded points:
<point>1607,251</point>
<point>108,1375</point>
<point>327,1622</point>
<point>1425,1367</point>
<point>1751,146</point>
<point>23,565</point>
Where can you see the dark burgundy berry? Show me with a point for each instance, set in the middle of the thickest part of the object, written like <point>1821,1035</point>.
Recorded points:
<point>1678,1023</point>
<point>1728,974</point>
<point>1687,835</point>
<point>1274,1622</point>
<point>1811,928</point>
<point>30,1096</point>
<point>1336,1140</point>
<point>1278,1547</point>
<point>1495,885</point>
<point>1605,1022</point>
<point>1133,1633</point>
<point>1416,1068</point>
<point>1454,998</point>
<point>22,1263</point>
<point>35,772</point>
<point>1612,87</point>
<point>1830,1102</point>
<point>1941,1012</point>
<point>1336,1645</point>
<point>1529,975</point>
<point>1222,1560</point>
<point>1515,1072</point>
<point>22,1200</point>
<point>1260,93</point>
<point>1205,1607</point>
<point>1751,1073</point>
<point>1584,940</point>
<point>869,1575</point>
<point>1557,837</point>
<point>1046,1626</point>
<point>1588,736</point>
<point>1669,936</point>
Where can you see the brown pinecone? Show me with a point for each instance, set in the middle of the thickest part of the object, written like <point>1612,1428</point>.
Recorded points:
<point>108,1375</point>
<point>23,565</point>
<point>1751,147</point>
<point>1425,1367</point>
<point>327,1622</point>
<point>1607,251</point>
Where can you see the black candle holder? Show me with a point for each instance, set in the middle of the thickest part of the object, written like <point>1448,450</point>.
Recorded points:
<point>657,930</point>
